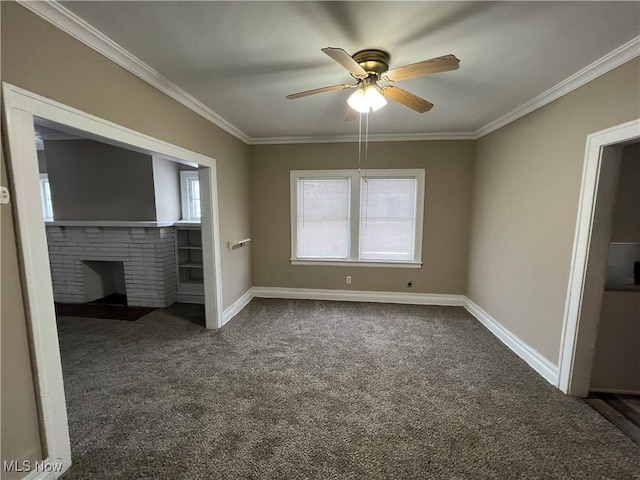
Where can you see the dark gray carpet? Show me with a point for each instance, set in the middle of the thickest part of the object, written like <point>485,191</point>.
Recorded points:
<point>322,390</point>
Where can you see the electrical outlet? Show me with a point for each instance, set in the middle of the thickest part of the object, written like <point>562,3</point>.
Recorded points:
<point>409,284</point>
<point>348,278</point>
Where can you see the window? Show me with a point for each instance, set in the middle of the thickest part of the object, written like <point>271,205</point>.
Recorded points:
<point>45,196</point>
<point>190,193</point>
<point>344,216</point>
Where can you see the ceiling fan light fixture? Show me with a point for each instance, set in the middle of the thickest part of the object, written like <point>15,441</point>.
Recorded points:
<point>367,99</point>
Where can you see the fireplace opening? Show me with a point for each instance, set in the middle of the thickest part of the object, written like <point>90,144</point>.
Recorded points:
<point>104,282</point>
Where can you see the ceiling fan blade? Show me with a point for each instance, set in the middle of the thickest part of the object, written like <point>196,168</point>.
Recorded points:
<point>319,90</point>
<point>410,100</point>
<point>350,114</point>
<point>434,65</point>
<point>344,59</point>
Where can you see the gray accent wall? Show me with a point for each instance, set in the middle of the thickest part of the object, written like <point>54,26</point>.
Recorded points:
<point>166,185</point>
<point>42,161</point>
<point>94,181</point>
<point>626,215</point>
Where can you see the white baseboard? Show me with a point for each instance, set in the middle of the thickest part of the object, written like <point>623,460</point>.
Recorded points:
<point>359,296</point>
<point>534,358</point>
<point>43,474</point>
<point>187,298</point>
<point>540,364</point>
<point>233,309</point>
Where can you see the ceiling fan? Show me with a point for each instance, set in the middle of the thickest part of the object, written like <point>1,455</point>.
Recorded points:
<point>370,66</point>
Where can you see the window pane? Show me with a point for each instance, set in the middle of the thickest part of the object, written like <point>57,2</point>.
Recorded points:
<point>323,218</point>
<point>45,191</point>
<point>387,218</point>
<point>194,198</point>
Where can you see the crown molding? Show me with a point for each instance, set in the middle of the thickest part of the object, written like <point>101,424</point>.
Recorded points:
<point>383,137</point>
<point>614,59</point>
<point>73,25</point>
<point>70,23</point>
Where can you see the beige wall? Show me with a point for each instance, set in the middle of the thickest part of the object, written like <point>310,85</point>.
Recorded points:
<point>94,181</point>
<point>448,166</point>
<point>20,431</point>
<point>525,201</point>
<point>40,58</point>
<point>626,216</point>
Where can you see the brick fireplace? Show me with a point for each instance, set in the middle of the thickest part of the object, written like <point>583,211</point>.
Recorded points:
<point>147,254</point>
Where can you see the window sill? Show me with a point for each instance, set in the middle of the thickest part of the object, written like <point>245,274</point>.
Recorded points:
<point>352,263</point>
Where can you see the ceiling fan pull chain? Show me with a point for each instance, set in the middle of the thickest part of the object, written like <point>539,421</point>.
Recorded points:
<point>366,171</point>
<point>359,139</point>
<point>366,148</point>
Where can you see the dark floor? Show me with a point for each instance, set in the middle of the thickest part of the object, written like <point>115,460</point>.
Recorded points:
<point>295,389</point>
<point>113,299</point>
<point>623,411</point>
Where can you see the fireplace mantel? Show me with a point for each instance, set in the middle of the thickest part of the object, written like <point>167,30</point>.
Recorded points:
<point>113,223</point>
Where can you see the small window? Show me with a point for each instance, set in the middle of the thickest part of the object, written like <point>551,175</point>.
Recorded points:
<point>190,193</point>
<point>45,195</point>
<point>347,216</point>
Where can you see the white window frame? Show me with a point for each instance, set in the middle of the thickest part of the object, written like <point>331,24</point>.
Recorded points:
<point>46,206</point>
<point>356,178</point>
<point>185,177</point>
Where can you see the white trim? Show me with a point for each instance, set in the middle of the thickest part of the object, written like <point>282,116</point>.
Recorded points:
<point>20,109</point>
<point>108,223</point>
<point>567,381</point>
<point>211,256</point>
<point>37,288</point>
<point>196,298</point>
<point>40,475</point>
<point>613,59</point>
<point>355,178</point>
<point>530,355</point>
<point>72,24</point>
<point>75,26</point>
<point>235,308</point>
<point>350,263</point>
<point>359,296</point>
<point>381,137</point>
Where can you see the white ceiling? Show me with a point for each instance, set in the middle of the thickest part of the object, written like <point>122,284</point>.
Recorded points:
<point>240,59</point>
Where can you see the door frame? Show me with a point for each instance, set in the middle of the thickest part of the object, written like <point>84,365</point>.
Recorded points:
<point>572,378</point>
<point>20,109</point>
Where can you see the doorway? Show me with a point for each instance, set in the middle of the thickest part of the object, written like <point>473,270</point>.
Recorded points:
<point>590,255</point>
<point>21,110</point>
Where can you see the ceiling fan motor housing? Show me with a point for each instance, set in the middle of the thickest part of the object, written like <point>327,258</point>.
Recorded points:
<point>373,61</point>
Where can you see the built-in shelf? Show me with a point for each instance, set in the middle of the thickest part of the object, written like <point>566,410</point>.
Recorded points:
<point>189,263</point>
